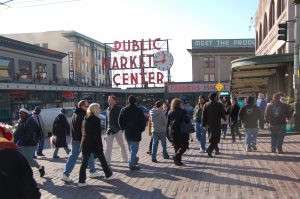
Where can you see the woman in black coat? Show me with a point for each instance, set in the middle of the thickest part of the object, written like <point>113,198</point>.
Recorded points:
<point>61,129</point>
<point>91,142</point>
<point>180,140</point>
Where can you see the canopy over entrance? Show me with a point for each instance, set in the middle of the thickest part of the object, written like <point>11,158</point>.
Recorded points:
<point>251,74</point>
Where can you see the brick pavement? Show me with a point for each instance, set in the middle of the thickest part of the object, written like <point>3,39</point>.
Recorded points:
<point>233,174</point>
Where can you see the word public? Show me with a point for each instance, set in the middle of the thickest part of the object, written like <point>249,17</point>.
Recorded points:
<point>121,63</point>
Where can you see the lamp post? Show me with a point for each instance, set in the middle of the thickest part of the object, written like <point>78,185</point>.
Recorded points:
<point>296,83</point>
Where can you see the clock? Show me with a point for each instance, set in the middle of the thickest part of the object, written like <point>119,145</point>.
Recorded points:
<point>163,60</point>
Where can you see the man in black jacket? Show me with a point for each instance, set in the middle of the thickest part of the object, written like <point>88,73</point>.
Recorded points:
<point>113,130</point>
<point>77,119</point>
<point>212,113</point>
<point>25,136</point>
<point>132,120</point>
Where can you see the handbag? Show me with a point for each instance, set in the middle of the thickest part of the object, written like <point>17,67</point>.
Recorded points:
<point>187,128</point>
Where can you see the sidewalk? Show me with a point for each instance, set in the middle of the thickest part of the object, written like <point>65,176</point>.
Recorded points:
<point>233,174</point>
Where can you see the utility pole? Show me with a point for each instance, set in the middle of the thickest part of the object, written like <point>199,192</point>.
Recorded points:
<point>296,83</point>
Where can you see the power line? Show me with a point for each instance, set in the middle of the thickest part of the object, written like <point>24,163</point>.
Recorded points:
<point>41,4</point>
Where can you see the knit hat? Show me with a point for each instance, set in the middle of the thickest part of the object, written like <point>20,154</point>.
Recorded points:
<point>24,110</point>
<point>63,111</point>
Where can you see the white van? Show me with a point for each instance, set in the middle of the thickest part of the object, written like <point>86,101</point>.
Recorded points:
<point>49,115</point>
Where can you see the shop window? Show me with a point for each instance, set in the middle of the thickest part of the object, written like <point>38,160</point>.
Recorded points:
<point>54,72</point>
<point>45,45</point>
<point>25,69</point>
<point>41,71</point>
<point>7,67</point>
<point>209,62</point>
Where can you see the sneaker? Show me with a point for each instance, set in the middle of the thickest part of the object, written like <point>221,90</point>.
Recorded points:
<point>56,157</point>
<point>254,148</point>
<point>82,184</point>
<point>273,151</point>
<point>40,154</point>
<point>124,161</point>
<point>149,152</point>
<point>154,160</point>
<point>34,157</point>
<point>96,174</point>
<point>113,175</point>
<point>42,171</point>
<point>137,160</point>
<point>248,150</point>
<point>217,153</point>
<point>202,151</point>
<point>132,168</point>
<point>66,178</point>
<point>279,152</point>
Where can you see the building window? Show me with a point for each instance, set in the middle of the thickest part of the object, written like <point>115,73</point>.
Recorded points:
<point>265,32</point>
<point>40,71</point>
<point>209,62</point>
<point>99,69</point>
<point>7,67</point>
<point>54,73</point>
<point>87,51</point>
<point>25,69</point>
<point>260,34</point>
<point>209,77</point>
<point>87,66</point>
<point>271,15</point>
<point>99,55</point>
<point>82,50</point>
<point>281,4</point>
<point>45,45</point>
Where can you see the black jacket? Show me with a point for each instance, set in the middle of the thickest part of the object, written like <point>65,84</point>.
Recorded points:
<point>132,120</point>
<point>249,115</point>
<point>277,113</point>
<point>91,141</point>
<point>174,120</point>
<point>77,119</point>
<point>111,122</point>
<point>234,113</point>
<point>26,133</point>
<point>16,177</point>
<point>61,129</point>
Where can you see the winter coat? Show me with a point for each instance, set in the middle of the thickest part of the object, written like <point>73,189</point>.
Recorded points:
<point>77,119</point>
<point>40,122</point>
<point>16,177</point>
<point>212,114</point>
<point>26,133</point>
<point>261,104</point>
<point>249,115</point>
<point>132,120</point>
<point>61,129</point>
<point>158,120</point>
<point>197,114</point>
<point>111,122</point>
<point>234,113</point>
<point>277,113</point>
<point>175,119</point>
<point>91,141</point>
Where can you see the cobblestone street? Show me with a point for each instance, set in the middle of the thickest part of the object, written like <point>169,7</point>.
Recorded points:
<point>233,174</point>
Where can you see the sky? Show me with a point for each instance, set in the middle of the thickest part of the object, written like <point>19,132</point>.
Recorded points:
<point>116,20</point>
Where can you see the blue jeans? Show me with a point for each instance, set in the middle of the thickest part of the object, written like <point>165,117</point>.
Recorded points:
<point>250,139</point>
<point>224,128</point>
<point>201,135</point>
<point>277,137</point>
<point>40,146</point>
<point>133,149</point>
<point>73,158</point>
<point>163,138</point>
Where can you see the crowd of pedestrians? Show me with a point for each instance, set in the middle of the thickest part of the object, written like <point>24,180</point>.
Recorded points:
<point>211,118</point>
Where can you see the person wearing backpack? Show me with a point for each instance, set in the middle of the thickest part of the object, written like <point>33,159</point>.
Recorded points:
<point>276,114</point>
<point>197,117</point>
<point>249,115</point>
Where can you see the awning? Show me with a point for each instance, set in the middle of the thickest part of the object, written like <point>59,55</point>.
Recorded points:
<point>250,74</point>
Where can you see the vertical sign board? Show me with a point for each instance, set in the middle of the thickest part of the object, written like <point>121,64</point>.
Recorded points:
<point>71,70</point>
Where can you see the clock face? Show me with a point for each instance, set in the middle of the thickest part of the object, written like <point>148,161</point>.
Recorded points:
<point>163,60</point>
